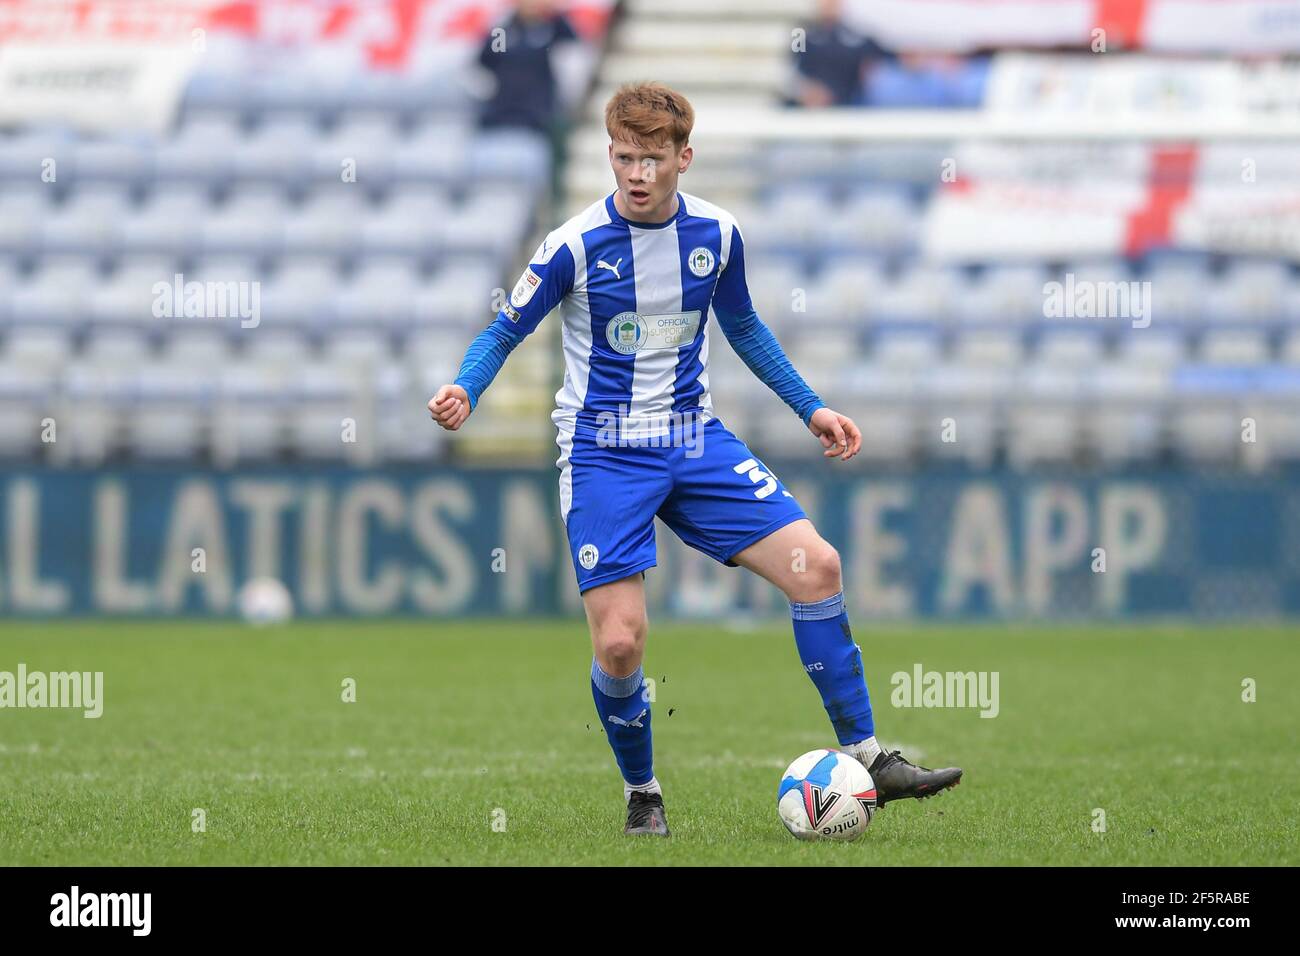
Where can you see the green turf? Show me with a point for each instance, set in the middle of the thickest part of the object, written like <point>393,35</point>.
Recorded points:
<point>456,720</point>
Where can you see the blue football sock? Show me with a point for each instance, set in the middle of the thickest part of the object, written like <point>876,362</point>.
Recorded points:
<point>833,661</point>
<point>626,719</point>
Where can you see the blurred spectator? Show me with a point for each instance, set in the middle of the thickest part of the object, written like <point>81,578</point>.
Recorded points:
<point>919,80</point>
<point>518,55</point>
<point>835,61</point>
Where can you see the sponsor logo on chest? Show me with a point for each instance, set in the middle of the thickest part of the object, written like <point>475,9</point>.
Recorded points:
<point>631,332</point>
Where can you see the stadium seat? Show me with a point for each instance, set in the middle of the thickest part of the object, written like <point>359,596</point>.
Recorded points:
<point>1001,295</point>
<point>137,295</point>
<point>55,295</point>
<point>169,221</point>
<point>435,153</point>
<point>1119,435</point>
<point>516,155</point>
<point>459,295</point>
<point>197,347</point>
<point>251,222</point>
<point>1208,433</point>
<point>917,350</point>
<point>1072,348</point>
<point>302,294</point>
<point>1042,434</point>
<point>843,292</point>
<point>771,287</point>
<point>280,151</point>
<point>27,396</point>
<point>41,347</point>
<point>359,346</point>
<point>286,347</point>
<point>102,393</point>
<point>112,346</point>
<point>25,153</point>
<point>889,432</point>
<point>172,410</point>
<point>250,415</point>
<point>382,292</point>
<point>919,295</point>
<point>410,223</point>
<point>126,158</point>
<point>1277,430</point>
<point>88,223</point>
<point>201,152</point>
<point>1233,347</point>
<point>1179,292</point>
<point>1151,347</point>
<point>1249,292</point>
<point>1290,352</point>
<point>490,221</point>
<point>992,348</point>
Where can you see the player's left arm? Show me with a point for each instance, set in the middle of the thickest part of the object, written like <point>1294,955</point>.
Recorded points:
<point>762,353</point>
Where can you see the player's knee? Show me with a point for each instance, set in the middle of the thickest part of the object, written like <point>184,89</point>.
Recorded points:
<point>621,639</point>
<point>826,575</point>
<point>821,576</point>
<point>622,654</point>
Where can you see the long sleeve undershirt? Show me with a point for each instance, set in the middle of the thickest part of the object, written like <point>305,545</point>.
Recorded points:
<point>759,349</point>
<point>483,359</point>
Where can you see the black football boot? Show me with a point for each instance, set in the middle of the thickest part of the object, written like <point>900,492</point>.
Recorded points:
<point>645,815</point>
<point>897,778</point>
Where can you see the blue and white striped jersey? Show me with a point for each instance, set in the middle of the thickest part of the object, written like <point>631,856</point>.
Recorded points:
<point>634,301</point>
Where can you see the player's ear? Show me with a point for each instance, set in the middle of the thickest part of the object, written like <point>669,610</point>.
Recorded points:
<point>684,160</point>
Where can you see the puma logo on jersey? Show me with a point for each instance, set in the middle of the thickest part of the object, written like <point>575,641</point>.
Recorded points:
<point>602,264</point>
<point>634,722</point>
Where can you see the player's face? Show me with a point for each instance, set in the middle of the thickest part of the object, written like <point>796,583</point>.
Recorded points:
<point>647,177</point>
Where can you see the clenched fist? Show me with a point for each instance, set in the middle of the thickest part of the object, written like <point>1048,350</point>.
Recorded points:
<point>450,407</point>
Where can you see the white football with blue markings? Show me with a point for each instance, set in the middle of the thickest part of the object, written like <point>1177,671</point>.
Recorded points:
<point>826,795</point>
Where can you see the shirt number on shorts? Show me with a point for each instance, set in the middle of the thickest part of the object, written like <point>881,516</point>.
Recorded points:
<point>757,474</point>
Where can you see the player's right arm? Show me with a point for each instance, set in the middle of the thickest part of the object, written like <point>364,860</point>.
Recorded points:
<point>548,278</point>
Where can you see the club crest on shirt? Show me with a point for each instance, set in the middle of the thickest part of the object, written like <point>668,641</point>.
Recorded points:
<point>588,555</point>
<point>702,261</point>
<point>626,332</point>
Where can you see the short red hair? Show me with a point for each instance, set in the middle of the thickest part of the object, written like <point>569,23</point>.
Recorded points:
<point>649,114</point>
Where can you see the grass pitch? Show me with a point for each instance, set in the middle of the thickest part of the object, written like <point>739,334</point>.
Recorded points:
<point>477,743</point>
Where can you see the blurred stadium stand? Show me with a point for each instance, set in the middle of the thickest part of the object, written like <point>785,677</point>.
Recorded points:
<point>374,216</point>
<point>904,297</point>
<point>908,297</point>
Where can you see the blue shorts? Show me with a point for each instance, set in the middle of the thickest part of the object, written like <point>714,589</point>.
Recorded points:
<point>714,493</point>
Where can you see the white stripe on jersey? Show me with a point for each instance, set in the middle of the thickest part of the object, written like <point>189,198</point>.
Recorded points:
<point>657,260</point>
